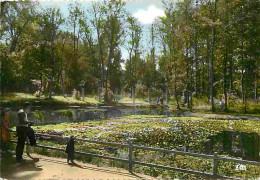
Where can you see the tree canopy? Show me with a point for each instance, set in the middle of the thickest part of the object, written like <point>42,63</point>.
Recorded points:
<point>199,49</point>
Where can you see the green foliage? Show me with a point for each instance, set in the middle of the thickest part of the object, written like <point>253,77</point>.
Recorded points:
<point>188,37</point>
<point>110,97</point>
<point>67,113</point>
<point>39,115</point>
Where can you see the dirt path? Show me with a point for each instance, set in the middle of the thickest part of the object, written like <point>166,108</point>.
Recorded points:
<point>42,167</point>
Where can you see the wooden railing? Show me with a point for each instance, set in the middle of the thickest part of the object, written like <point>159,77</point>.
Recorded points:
<point>131,162</point>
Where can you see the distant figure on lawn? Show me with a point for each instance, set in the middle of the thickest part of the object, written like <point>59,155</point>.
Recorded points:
<point>70,149</point>
<point>221,105</point>
<point>4,129</point>
<point>22,130</point>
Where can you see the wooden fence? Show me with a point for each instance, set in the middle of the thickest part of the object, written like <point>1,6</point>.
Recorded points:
<point>131,162</point>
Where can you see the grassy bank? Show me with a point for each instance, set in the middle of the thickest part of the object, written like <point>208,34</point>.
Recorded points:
<point>17,99</point>
<point>59,101</point>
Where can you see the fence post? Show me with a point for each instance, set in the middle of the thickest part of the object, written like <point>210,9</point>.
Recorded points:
<point>215,163</point>
<point>130,156</point>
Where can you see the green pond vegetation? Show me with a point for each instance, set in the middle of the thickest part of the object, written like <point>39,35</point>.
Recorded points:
<point>153,131</point>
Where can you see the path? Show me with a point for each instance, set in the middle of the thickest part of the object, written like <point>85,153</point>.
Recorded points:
<point>42,167</point>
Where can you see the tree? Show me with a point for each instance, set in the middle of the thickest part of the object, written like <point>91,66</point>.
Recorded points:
<point>133,46</point>
<point>16,19</point>
<point>114,31</point>
<point>51,21</point>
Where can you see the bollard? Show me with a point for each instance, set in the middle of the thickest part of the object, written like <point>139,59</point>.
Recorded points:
<point>130,153</point>
<point>215,164</point>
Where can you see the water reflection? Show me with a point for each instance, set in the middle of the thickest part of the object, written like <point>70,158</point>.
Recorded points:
<point>90,113</point>
<point>245,145</point>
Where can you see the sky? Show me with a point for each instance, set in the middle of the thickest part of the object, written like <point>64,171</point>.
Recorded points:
<point>146,11</point>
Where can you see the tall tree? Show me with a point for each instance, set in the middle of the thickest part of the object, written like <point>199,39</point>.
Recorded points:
<point>16,19</point>
<point>133,45</point>
<point>114,30</point>
<point>52,19</point>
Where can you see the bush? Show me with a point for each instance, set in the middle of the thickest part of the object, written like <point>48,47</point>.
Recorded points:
<point>141,91</point>
<point>233,102</point>
<point>111,95</point>
<point>67,113</point>
<point>39,115</point>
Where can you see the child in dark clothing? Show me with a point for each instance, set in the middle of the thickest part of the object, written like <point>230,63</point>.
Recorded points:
<point>70,149</point>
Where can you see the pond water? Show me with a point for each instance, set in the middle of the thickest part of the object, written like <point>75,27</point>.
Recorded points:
<point>89,113</point>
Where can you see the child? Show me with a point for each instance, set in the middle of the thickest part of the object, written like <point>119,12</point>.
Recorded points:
<point>4,128</point>
<point>70,149</point>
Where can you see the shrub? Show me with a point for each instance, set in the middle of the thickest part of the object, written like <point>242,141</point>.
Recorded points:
<point>67,113</point>
<point>39,115</point>
<point>111,95</point>
<point>141,91</point>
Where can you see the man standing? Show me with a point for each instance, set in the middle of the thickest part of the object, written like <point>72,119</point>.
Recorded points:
<point>22,130</point>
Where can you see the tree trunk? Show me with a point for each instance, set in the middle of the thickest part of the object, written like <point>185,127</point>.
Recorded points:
<point>187,94</point>
<point>208,69</point>
<point>52,57</point>
<point>133,94</point>
<point>0,77</point>
<point>74,38</point>
<point>225,77</point>
<point>149,95</point>
<point>130,75</point>
<point>196,63</point>
<point>256,85</point>
<point>191,81</point>
<point>242,61</point>
<point>13,45</point>
<point>110,55</point>
<point>116,95</point>
<point>52,71</point>
<point>102,70</point>
<point>175,88</point>
<point>211,71</point>
<point>166,94</point>
<point>52,67</point>
<point>231,74</point>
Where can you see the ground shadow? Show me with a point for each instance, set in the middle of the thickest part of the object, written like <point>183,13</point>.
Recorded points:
<point>99,169</point>
<point>10,169</point>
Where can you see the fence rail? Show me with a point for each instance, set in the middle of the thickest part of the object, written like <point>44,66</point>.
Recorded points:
<point>131,162</point>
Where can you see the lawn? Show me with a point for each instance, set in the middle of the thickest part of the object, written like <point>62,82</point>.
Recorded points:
<point>14,99</point>
<point>129,100</point>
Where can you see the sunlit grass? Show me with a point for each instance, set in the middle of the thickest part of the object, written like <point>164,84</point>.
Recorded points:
<point>16,97</point>
<point>19,97</point>
<point>70,100</point>
<point>129,100</point>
